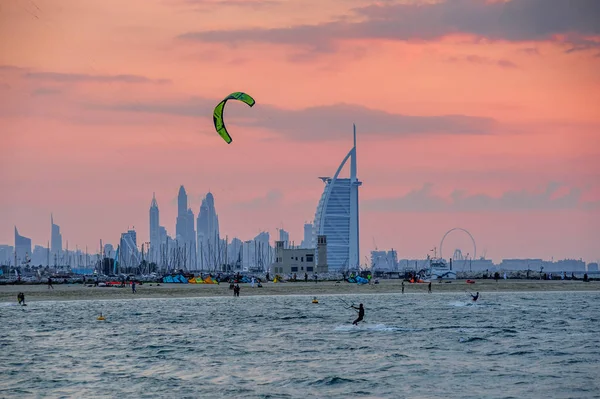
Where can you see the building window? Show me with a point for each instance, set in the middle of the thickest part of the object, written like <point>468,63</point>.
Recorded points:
<point>309,258</point>
<point>302,259</point>
<point>302,268</point>
<point>309,268</point>
<point>294,269</point>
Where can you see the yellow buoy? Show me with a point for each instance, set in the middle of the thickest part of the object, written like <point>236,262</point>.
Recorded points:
<point>100,317</point>
<point>315,300</point>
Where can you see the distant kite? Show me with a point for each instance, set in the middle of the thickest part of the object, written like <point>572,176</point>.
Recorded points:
<point>218,113</point>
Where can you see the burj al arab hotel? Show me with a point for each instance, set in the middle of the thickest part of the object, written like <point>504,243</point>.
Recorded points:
<point>336,217</point>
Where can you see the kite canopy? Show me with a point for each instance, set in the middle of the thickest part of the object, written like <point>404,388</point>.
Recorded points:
<point>218,113</point>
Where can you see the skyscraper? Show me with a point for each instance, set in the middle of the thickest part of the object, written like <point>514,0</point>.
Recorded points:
<point>337,217</point>
<point>285,237</point>
<point>307,241</point>
<point>209,251</point>
<point>154,228</point>
<point>129,255</point>
<point>22,248</point>
<point>190,240</point>
<point>180,225</point>
<point>55,240</point>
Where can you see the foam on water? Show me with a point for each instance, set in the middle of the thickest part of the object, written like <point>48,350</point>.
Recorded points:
<point>525,345</point>
<point>364,327</point>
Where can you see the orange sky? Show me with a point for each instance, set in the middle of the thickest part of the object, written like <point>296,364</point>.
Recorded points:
<point>104,102</point>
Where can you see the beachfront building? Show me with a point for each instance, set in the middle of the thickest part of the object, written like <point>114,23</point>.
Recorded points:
<point>384,261</point>
<point>337,217</point>
<point>300,260</point>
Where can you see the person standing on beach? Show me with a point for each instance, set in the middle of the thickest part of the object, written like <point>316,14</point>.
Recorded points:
<point>429,287</point>
<point>306,277</point>
<point>133,287</point>
<point>50,283</point>
<point>403,286</point>
<point>316,278</point>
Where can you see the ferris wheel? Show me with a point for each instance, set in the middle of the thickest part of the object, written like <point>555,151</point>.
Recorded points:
<point>466,232</point>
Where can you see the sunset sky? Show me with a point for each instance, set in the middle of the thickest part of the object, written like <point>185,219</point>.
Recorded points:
<point>477,114</point>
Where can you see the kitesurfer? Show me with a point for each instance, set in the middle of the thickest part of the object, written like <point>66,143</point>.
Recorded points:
<point>475,297</point>
<point>21,298</point>
<point>361,313</point>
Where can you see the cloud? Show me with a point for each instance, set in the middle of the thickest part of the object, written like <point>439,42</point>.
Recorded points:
<point>423,200</point>
<point>212,5</point>
<point>84,78</point>
<point>12,68</point>
<point>271,198</point>
<point>45,91</point>
<point>530,51</point>
<point>515,21</point>
<point>324,122</point>
<point>476,59</point>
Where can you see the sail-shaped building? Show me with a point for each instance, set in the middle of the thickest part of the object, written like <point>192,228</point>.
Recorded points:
<point>336,217</point>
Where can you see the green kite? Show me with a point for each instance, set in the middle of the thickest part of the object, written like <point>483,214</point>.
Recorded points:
<point>218,113</point>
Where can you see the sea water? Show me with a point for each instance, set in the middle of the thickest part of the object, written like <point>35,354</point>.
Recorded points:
<point>506,345</point>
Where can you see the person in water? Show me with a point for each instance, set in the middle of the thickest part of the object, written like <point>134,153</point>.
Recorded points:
<point>475,297</point>
<point>21,298</point>
<point>361,313</point>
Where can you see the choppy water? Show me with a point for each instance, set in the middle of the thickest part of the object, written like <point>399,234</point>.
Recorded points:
<point>507,345</point>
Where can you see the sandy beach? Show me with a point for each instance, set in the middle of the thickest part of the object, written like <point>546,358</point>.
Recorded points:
<point>65,292</point>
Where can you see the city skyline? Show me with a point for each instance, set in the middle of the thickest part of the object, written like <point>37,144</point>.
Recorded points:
<point>490,127</point>
<point>130,235</point>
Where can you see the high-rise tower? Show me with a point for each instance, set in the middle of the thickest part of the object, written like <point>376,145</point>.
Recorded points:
<point>154,227</point>
<point>55,240</point>
<point>209,251</point>
<point>180,226</point>
<point>337,216</point>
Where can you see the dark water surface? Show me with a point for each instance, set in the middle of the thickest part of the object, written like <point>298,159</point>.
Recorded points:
<point>507,345</point>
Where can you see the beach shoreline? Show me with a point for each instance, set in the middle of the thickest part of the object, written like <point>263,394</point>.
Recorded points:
<point>68,292</point>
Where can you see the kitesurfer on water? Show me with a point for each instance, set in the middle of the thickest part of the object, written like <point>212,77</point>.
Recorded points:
<point>361,313</point>
<point>475,297</point>
<point>21,298</point>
